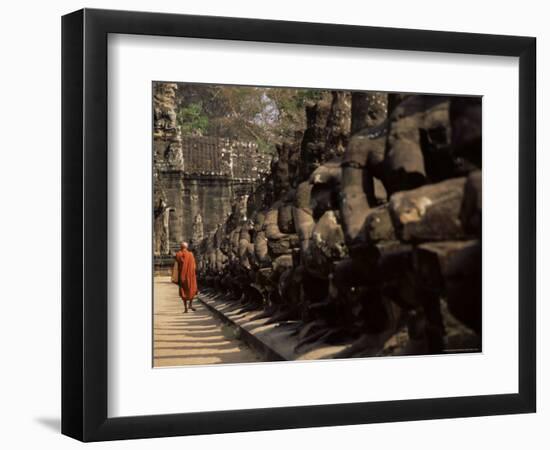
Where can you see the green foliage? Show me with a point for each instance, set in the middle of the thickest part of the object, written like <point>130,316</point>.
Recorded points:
<point>192,120</point>
<point>266,147</point>
<point>261,114</point>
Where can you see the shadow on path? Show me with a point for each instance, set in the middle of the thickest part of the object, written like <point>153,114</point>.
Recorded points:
<point>196,337</point>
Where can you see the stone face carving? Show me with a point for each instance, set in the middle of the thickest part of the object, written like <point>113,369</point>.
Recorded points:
<point>160,230</point>
<point>164,97</point>
<point>196,175</point>
<point>198,230</point>
<point>368,110</point>
<point>363,225</point>
<point>338,126</point>
<point>166,133</point>
<point>167,155</point>
<point>165,239</point>
<point>429,213</point>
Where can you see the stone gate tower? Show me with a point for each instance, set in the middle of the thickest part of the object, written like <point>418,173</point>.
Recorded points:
<point>195,176</point>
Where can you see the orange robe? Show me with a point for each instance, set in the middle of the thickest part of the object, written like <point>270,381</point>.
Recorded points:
<point>187,278</point>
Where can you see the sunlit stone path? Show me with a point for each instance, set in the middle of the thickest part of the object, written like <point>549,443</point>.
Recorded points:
<point>196,337</point>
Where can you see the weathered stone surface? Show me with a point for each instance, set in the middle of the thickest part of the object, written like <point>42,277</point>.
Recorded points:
<point>338,126</point>
<point>346,235</point>
<point>327,245</point>
<point>385,261</point>
<point>285,220</point>
<point>167,154</point>
<point>429,213</point>
<point>260,248</point>
<point>166,133</point>
<point>418,125</point>
<point>243,248</point>
<point>329,173</point>
<point>431,261</point>
<point>463,286</point>
<point>213,156</point>
<point>458,336</point>
<point>368,110</point>
<point>470,212</point>
<point>198,230</point>
<point>395,99</point>
<point>453,268</point>
<point>466,124</point>
<point>271,224</point>
<point>161,225</point>
<point>323,198</point>
<point>281,263</point>
<point>282,246</point>
<point>312,150</point>
<point>362,161</point>
<point>303,215</point>
<point>378,195</point>
<point>196,175</point>
<point>279,170</point>
<point>379,226</point>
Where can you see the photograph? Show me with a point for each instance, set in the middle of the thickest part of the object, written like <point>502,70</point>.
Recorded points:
<point>261,225</point>
<point>296,224</point>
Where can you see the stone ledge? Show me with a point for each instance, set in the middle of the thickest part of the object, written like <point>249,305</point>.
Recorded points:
<point>275,341</point>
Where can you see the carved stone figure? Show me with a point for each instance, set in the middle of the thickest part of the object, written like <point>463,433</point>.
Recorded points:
<point>367,230</point>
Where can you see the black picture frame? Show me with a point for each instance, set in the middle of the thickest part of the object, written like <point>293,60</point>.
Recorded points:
<point>84,224</point>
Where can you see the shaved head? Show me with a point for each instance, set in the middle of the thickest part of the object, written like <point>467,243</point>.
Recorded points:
<point>184,245</point>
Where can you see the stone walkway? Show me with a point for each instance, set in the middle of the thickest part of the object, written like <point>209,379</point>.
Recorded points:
<point>194,338</point>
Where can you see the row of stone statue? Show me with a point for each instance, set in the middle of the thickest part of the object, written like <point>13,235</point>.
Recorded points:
<point>367,227</point>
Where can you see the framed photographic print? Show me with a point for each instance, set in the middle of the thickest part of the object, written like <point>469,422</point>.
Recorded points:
<point>274,224</point>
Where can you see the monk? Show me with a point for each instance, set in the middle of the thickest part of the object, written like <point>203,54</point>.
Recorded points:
<point>187,279</point>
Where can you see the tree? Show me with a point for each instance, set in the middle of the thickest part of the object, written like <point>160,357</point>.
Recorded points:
<point>192,119</point>
<point>262,114</point>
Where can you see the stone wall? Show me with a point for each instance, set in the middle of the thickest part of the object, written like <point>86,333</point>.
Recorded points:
<point>205,186</point>
<point>210,196</point>
<point>167,166</point>
<point>195,175</point>
<point>369,230</point>
<point>213,156</point>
